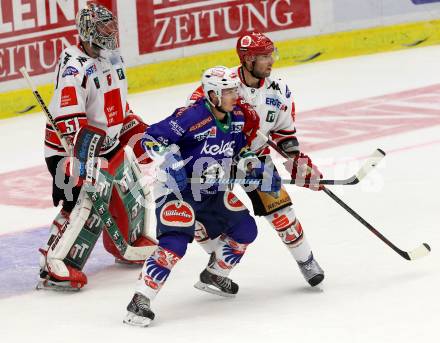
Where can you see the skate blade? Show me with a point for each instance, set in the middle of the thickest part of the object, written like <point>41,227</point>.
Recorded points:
<point>205,287</point>
<point>316,280</point>
<point>50,286</point>
<point>135,320</point>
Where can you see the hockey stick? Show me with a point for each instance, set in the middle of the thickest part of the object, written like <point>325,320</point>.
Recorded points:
<point>416,253</point>
<point>127,252</point>
<point>43,106</point>
<point>420,251</point>
<point>372,161</point>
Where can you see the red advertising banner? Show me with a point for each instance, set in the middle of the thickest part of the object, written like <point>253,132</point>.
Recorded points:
<point>34,32</point>
<point>169,24</point>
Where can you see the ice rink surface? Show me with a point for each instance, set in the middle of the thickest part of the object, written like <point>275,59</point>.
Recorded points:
<point>346,108</point>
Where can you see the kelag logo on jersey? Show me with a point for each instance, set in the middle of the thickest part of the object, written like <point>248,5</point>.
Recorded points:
<point>227,149</point>
<point>422,2</point>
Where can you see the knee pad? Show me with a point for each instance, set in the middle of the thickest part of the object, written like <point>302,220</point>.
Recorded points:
<point>245,232</point>
<point>287,226</point>
<point>201,236</point>
<point>175,242</point>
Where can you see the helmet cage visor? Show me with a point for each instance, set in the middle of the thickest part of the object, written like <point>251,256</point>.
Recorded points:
<point>106,34</point>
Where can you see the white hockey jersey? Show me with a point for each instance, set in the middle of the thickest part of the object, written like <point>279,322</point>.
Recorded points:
<point>273,102</point>
<point>87,91</point>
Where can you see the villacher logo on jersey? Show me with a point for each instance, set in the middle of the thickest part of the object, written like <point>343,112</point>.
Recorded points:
<point>177,213</point>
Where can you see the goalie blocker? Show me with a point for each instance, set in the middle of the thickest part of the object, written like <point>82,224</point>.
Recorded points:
<point>77,228</point>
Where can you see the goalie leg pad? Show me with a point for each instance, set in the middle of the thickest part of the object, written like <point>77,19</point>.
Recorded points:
<point>71,246</point>
<point>128,204</point>
<point>57,225</point>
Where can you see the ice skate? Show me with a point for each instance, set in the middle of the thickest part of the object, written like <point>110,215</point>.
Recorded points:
<point>47,282</point>
<point>311,271</point>
<point>216,284</point>
<point>139,312</point>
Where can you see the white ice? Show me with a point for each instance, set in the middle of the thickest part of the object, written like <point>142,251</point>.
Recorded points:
<point>370,294</point>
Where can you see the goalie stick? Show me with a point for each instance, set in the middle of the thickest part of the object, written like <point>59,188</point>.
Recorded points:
<point>127,252</point>
<point>419,252</point>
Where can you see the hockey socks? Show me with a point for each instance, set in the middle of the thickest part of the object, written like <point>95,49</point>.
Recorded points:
<point>214,279</point>
<point>226,256</point>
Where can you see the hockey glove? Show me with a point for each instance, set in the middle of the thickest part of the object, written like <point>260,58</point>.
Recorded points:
<point>270,179</point>
<point>306,174</point>
<point>174,168</point>
<point>251,120</point>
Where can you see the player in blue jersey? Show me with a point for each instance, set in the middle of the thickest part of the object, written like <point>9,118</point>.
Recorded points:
<point>202,140</point>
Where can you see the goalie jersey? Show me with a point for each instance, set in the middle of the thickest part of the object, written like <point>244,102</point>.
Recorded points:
<point>87,91</point>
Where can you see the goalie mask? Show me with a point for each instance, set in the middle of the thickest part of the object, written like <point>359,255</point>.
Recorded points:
<point>98,26</point>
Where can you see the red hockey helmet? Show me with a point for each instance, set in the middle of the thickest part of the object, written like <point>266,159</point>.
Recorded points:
<point>253,44</point>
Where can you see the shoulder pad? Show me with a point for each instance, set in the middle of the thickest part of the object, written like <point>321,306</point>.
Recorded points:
<point>74,62</point>
<point>180,111</point>
<point>280,86</point>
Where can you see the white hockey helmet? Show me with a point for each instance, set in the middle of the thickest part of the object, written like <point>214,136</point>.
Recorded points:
<point>218,78</point>
<point>97,25</point>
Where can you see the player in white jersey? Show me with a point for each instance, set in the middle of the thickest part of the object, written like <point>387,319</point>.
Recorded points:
<point>90,92</point>
<point>272,99</point>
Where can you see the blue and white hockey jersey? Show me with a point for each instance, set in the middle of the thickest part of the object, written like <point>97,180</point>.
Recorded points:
<point>204,142</point>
